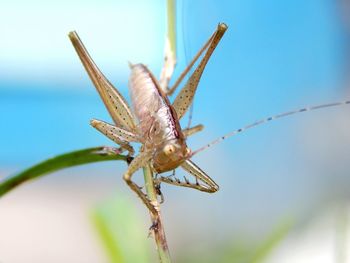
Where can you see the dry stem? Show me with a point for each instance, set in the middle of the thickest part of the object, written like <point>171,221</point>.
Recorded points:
<point>157,224</point>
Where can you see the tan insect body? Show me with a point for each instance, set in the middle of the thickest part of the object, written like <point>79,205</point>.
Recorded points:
<point>158,124</point>
<point>154,121</point>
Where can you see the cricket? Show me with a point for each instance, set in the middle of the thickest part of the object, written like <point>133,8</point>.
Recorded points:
<point>154,121</point>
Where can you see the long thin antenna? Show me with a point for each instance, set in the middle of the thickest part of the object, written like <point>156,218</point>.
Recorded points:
<point>268,119</point>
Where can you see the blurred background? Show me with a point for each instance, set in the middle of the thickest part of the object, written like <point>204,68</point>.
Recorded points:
<point>283,186</point>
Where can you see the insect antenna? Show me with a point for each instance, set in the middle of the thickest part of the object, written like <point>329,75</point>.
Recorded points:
<point>268,119</point>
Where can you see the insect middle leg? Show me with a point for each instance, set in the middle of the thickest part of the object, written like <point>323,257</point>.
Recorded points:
<point>203,182</point>
<point>190,131</point>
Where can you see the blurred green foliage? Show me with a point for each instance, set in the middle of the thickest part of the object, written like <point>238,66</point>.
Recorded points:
<point>236,251</point>
<point>122,230</point>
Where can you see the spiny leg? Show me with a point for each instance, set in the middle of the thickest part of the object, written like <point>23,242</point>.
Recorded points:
<point>157,184</point>
<point>209,185</point>
<point>184,99</point>
<point>116,134</point>
<point>137,163</point>
<point>114,101</point>
<point>190,131</point>
<point>171,90</point>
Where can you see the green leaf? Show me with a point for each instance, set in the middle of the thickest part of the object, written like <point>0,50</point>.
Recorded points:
<point>272,241</point>
<point>90,155</point>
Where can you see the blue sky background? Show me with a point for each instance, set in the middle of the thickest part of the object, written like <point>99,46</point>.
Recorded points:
<point>275,56</point>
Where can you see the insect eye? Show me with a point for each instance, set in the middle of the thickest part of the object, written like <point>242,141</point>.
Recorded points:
<point>169,149</point>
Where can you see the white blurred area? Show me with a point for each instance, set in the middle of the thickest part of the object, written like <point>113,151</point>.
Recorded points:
<point>53,219</point>
<point>325,239</point>
<point>35,46</point>
<point>50,220</point>
<point>323,236</point>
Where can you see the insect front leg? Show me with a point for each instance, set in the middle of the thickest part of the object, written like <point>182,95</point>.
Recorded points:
<point>137,163</point>
<point>190,131</point>
<point>203,182</point>
<point>116,134</point>
<point>184,99</point>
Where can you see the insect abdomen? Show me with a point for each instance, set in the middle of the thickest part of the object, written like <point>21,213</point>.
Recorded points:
<point>151,107</point>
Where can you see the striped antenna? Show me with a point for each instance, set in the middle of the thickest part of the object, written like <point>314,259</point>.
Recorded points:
<point>262,121</point>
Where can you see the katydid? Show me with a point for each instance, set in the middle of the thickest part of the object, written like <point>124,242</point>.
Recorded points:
<point>154,121</point>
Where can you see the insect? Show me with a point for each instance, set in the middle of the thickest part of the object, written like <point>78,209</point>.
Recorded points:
<point>156,125</point>
<point>154,121</point>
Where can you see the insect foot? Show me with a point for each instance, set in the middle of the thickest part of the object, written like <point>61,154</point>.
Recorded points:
<point>159,192</point>
<point>129,159</point>
<point>107,150</point>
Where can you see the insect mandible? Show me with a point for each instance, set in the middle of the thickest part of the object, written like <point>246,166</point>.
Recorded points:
<point>154,121</point>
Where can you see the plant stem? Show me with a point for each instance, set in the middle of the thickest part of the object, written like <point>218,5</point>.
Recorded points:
<point>171,13</point>
<point>157,224</point>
